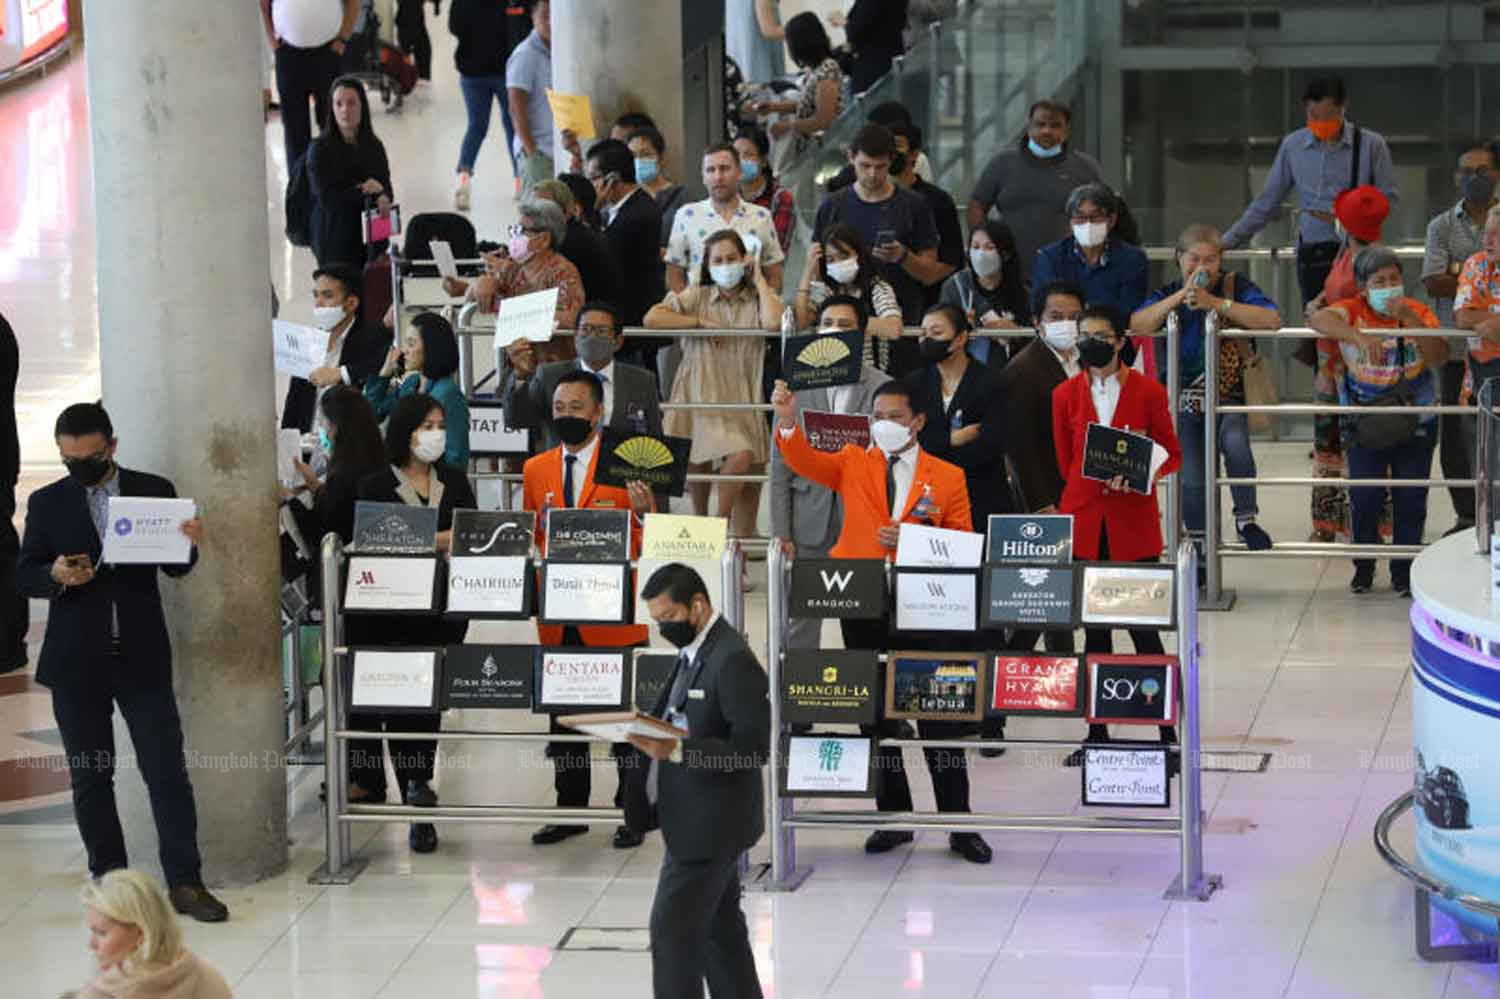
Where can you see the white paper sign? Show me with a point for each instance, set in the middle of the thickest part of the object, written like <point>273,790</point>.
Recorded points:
<point>1125,777</point>
<point>147,531</point>
<point>488,433</point>
<point>582,678</point>
<point>817,764</point>
<point>288,450</point>
<point>934,601</point>
<point>938,547</point>
<point>384,583</point>
<point>394,679</point>
<point>299,349</point>
<point>584,592</point>
<point>526,317</point>
<point>442,255</point>
<point>487,584</point>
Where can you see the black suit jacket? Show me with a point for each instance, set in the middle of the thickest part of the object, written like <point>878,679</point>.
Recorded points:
<point>10,441</point>
<point>634,235</point>
<point>1029,380</point>
<point>363,352</point>
<point>711,805</point>
<point>76,648</point>
<point>980,398</point>
<point>599,270</point>
<point>528,405</point>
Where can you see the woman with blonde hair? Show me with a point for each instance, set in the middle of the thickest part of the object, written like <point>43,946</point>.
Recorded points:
<point>137,943</point>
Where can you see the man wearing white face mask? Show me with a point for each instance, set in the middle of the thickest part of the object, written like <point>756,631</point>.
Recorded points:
<point>355,348</point>
<point>1044,364</point>
<point>1109,270</point>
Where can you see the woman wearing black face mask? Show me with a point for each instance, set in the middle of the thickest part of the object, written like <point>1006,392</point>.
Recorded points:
<point>965,406</point>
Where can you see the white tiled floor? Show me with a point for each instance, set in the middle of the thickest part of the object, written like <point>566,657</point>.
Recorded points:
<point>1300,668</point>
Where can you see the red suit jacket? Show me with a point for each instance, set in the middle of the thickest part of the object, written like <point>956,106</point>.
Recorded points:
<point>543,475</point>
<point>1132,519</point>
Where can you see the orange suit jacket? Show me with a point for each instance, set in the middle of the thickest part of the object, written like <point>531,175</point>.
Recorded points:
<point>858,477</point>
<point>542,477</point>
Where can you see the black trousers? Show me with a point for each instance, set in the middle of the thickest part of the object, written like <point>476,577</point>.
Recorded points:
<point>949,768</point>
<point>1456,443</point>
<point>1147,641</point>
<point>85,719</point>
<point>299,73</point>
<point>412,759</point>
<point>15,613</point>
<point>1314,261</point>
<point>571,761</point>
<point>698,932</point>
<point>411,33</point>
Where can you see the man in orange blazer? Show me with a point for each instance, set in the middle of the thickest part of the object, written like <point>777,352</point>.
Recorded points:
<point>564,477</point>
<point>1111,523</point>
<point>890,483</point>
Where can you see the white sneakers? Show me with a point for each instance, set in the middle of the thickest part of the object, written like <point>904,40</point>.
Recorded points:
<point>461,197</point>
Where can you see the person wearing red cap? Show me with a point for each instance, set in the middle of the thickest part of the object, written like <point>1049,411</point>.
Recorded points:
<point>1359,214</point>
<point>1329,155</point>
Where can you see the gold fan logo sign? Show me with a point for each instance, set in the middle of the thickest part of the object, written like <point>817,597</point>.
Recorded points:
<point>649,459</point>
<point>824,352</point>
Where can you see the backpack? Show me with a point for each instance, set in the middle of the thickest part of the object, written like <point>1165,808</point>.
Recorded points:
<point>299,203</point>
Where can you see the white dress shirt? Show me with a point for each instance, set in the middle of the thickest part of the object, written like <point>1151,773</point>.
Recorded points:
<point>581,469</point>
<point>904,472</point>
<point>1069,362</point>
<point>606,375</point>
<point>1106,393</point>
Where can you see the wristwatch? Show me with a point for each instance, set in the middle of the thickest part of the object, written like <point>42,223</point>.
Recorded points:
<point>1224,306</point>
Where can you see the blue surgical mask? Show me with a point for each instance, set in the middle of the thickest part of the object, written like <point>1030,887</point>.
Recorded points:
<point>749,170</point>
<point>727,276</point>
<point>645,171</point>
<point>1042,152</point>
<point>1381,299</point>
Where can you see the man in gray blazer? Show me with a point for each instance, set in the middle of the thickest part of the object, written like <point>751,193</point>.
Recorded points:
<point>806,517</point>
<point>631,402</point>
<point>704,791</point>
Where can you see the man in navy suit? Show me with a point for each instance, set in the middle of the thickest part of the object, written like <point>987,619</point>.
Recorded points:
<point>107,644</point>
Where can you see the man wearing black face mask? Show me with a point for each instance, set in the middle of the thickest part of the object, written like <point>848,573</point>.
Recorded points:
<point>631,402</point>
<point>107,644</point>
<point>564,477</point>
<point>705,792</point>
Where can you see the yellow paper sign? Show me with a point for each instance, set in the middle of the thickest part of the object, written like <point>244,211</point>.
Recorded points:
<point>677,537</point>
<point>572,112</point>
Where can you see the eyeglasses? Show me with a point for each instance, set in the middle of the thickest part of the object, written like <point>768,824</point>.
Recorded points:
<point>517,229</point>
<point>604,332</point>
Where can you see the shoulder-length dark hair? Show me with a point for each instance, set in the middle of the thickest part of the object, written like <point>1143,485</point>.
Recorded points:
<point>807,41</point>
<point>439,345</point>
<point>357,449</point>
<point>408,415</point>
<point>366,132</point>
<point>1012,286</point>
<point>847,235</point>
<point>722,236</point>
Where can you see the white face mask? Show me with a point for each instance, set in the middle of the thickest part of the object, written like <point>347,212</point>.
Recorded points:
<point>326,317</point>
<point>986,262</point>
<point>1061,334</point>
<point>727,276</point>
<point>889,435</point>
<point>430,445</point>
<point>1091,234</point>
<point>844,271</point>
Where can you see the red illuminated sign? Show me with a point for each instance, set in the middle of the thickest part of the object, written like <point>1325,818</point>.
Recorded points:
<point>43,24</point>
<point>1035,685</point>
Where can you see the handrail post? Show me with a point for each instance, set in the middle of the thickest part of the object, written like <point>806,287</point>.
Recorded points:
<point>1213,596</point>
<point>335,780</point>
<point>1484,472</point>
<point>732,606</point>
<point>783,838</point>
<point>1174,403</point>
<point>1192,885</point>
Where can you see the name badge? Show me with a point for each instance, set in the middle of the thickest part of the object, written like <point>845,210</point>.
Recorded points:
<point>604,502</point>
<point>694,694</point>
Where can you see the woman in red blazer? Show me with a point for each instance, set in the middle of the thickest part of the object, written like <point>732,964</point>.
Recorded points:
<point>1110,523</point>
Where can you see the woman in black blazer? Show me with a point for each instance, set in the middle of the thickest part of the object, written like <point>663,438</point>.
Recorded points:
<point>346,170</point>
<point>415,438</point>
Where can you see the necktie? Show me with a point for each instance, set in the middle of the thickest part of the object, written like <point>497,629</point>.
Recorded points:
<point>570,460</point>
<point>675,700</point>
<point>890,484</point>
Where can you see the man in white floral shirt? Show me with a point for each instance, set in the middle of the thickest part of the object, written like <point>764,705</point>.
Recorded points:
<point>722,209</point>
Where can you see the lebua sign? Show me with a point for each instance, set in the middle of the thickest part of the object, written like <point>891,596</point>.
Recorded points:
<point>839,588</point>
<point>830,687</point>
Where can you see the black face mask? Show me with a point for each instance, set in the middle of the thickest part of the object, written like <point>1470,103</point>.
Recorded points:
<point>933,351</point>
<point>1093,353</point>
<point>679,633</point>
<point>88,471</point>
<point>573,430</point>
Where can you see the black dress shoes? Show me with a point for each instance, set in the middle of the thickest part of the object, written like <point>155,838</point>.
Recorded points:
<point>627,838</point>
<point>423,837</point>
<point>884,840</point>
<point>549,834</point>
<point>971,847</point>
<point>196,902</point>
<point>419,795</point>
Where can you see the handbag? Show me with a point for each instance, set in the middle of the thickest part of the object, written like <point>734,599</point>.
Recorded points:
<point>1385,430</point>
<point>1260,390</point>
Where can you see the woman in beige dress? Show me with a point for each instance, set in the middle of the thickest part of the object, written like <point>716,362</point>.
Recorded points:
<point>731,293</point>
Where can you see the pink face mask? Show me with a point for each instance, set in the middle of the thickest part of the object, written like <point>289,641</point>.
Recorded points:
<point>519,247</point>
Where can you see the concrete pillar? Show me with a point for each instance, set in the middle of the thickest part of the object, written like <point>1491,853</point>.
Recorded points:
<point>626,57</point>
<point>185,351</point>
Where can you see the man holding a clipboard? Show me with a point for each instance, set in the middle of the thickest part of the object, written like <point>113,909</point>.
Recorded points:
<point>107,644</point>
<point>1111,521</point>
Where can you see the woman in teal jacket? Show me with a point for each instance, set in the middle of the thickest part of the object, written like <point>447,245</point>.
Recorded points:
<point>428,355</point>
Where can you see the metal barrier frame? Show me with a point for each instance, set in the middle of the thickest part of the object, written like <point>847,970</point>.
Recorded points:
<point>340,866</point>
<point>1215,597</point>
<point>1191,883</point>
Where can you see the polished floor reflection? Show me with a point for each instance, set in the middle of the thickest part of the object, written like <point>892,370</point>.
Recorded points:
<point>1300,669</point>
